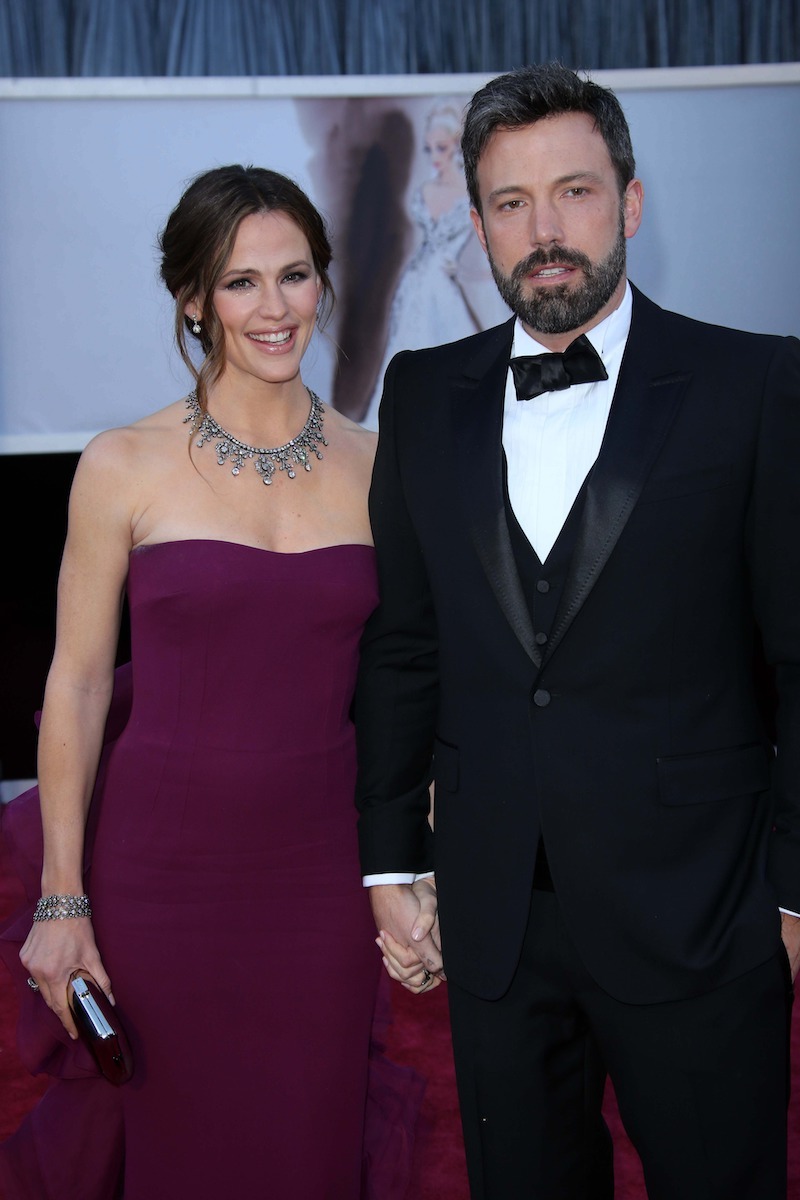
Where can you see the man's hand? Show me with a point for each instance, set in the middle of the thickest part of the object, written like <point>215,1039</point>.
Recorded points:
<point>790,932</point>
<point>425,891</point>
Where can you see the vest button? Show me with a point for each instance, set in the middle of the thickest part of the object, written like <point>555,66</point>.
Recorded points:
<point>541,698</point>
<point>542,585</point>
<point>540,639</point>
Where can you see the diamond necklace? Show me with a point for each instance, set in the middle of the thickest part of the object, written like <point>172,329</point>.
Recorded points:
<point>268,460</point>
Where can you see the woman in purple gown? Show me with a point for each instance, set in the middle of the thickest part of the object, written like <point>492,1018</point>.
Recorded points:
<point>215,891</point>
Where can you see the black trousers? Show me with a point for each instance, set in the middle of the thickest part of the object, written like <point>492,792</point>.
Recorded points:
<point>701,1084</point>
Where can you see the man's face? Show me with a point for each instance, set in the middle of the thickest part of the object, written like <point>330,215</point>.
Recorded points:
<point>554,225</point>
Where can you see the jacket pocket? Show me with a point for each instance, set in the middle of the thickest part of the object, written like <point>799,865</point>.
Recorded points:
<point>717,775</point>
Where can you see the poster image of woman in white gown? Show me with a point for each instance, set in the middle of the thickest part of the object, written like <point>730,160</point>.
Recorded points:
<point>445,290</point>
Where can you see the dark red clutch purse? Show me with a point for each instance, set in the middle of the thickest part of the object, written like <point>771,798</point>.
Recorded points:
<point>100,1028</point>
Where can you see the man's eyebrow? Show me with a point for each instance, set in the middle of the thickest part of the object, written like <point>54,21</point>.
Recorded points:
<point>578,176</point>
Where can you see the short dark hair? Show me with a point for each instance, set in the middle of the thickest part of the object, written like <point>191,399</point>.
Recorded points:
<point>530,94</point>
<point>197,241</point>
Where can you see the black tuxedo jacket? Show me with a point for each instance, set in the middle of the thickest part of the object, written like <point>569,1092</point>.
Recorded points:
<point>633,741</point>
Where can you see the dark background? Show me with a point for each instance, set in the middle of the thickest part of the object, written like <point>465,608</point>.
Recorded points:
<point>33,543</point>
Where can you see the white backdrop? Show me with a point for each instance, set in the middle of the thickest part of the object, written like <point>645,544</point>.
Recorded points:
<point>91,168</point>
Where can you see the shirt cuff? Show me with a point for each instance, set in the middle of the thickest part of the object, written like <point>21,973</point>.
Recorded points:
<point>394,877</point>
<point>789,912</point>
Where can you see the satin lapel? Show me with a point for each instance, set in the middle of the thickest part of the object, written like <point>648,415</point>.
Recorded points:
<point>647,397</point>
<point>477,416</point>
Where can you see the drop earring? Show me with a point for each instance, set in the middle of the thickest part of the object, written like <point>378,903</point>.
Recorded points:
<point>196,325</point>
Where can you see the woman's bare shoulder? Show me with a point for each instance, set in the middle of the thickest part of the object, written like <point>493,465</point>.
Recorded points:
<point>358,440</point>
<point>126,445</point>
<point>336,419</point>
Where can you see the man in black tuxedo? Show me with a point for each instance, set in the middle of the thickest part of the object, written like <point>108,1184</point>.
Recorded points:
<point>579,557</point>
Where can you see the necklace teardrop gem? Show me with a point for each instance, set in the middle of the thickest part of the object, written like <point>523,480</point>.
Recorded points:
<point>267,459</point>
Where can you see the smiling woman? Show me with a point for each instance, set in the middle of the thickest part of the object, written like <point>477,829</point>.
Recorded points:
<point>203,795</point>
<point>266,301</point>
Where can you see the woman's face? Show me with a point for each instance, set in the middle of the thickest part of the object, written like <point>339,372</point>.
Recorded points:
<point>266,298</point>
<point>441,145</point>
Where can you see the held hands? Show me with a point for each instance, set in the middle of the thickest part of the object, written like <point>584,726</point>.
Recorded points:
<point>790,932</point>
<point>409,939</point>
<point>52,951</point>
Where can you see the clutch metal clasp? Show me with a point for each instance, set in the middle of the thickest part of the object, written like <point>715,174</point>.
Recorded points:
<point>90,1008</point>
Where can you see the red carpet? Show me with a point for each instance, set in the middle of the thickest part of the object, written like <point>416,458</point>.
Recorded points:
<point>419,1037</point>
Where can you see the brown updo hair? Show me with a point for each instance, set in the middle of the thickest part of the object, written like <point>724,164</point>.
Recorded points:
<point>197,241</point>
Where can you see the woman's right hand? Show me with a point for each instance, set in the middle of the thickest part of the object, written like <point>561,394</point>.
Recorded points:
<point>53,950</point>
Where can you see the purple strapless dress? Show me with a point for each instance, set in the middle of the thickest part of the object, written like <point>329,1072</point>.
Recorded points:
<point>223,873</point>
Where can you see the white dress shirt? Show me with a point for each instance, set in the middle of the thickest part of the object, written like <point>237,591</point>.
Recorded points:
<point>552,441</point>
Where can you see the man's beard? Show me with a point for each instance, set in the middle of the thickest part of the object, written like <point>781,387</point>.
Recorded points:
<point>561,308</point>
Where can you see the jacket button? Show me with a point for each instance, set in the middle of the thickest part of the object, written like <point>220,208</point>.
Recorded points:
<point>542,585</point>
<point>540,639</point>
<point>541,698</point>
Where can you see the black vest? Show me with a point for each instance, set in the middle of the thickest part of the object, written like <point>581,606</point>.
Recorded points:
<point>542,584</point>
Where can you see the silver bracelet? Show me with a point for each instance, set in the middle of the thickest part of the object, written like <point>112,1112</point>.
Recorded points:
<point>58,908</point>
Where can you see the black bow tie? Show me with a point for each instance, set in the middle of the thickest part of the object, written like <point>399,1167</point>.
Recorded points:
<point>537,373</point>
